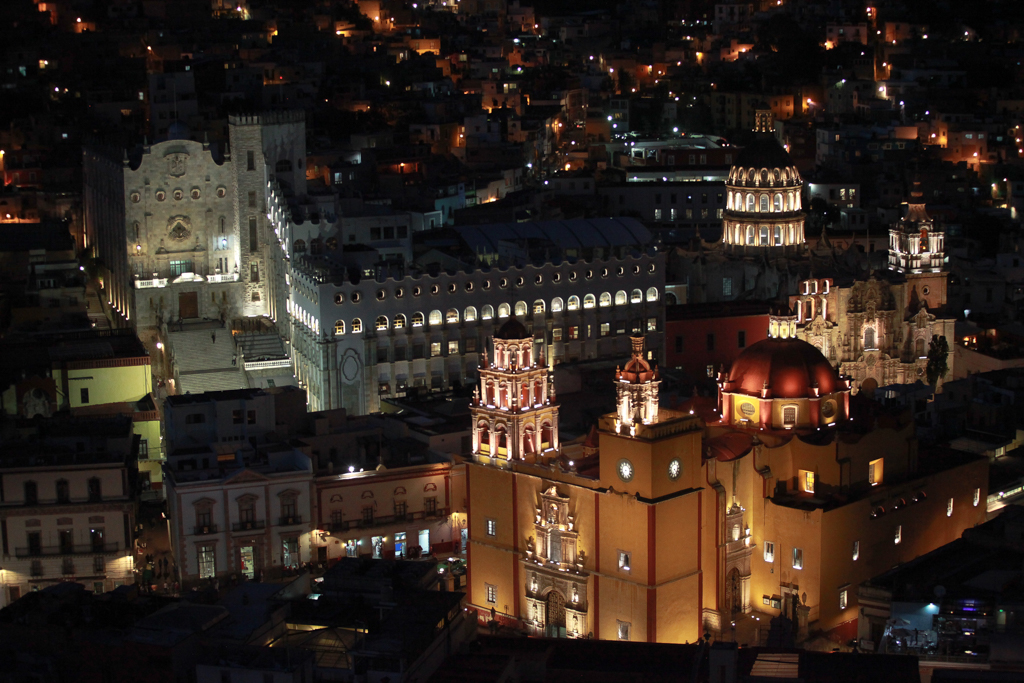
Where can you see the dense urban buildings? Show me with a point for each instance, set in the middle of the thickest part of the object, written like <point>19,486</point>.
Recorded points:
<point>334,335</point>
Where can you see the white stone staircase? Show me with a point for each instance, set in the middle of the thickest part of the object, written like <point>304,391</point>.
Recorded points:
<point>203,364</point>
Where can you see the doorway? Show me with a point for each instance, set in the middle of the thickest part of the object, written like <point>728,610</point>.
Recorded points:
<point>188,305</point>
<point>555,615</point>
<point>424,541</point>
<point>733,596</point>
<point>248,556</point>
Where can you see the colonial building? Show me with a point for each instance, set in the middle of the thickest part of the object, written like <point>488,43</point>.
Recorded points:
<point>357,342</point>
<point>673,522</point>
<point>389,513</point>
<point>67,510</point>
<point>237,504</point>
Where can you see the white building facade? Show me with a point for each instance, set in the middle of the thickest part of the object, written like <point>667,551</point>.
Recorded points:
<point>68,511</point>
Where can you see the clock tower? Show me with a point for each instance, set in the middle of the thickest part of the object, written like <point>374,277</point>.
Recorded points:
<point>645,449</point>
<point>513,411</point>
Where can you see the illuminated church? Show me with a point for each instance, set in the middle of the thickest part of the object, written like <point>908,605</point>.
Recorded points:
<point>779,496</point>
<point>873,326</point>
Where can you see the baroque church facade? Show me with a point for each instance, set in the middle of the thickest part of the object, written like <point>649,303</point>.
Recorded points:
<point>874,326</point>
<point>664,524</point>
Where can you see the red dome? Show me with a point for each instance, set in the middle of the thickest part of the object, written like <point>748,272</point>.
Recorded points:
<point>789,366</point>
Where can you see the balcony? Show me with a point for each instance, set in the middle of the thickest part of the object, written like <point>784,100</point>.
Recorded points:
<point>248,526</point>
<point>384,520</point>
<point>289,521</point>
<point>77,549</point>
<point>205,529</point>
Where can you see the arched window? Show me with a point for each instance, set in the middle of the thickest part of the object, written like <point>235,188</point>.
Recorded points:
<point>521,308</point>
<point>589,301</point>
<point>469,315</point>
<point>339,327</point>
<point>778,201</point>
<point>636,296</point>
<point>300,247</point>
<point>778,235</point>
<point>487,312</point>
<point>545,435</point>
<point>620,298</point>
<point>764,236</point>
<point>417,319</point>
<point>869,337</point>
<point>452,316</point>
<point>919,347</point>
<point>485,438</point>
<point>606,299</point>
<point>382,323</point>
<point>652,294</point>
<point>332,244</point>
<point>538,306</point>
<point>556,305</point>
<point>500,440</point>
<point>750,234</point>
<point>399,322</point>
<point>764,203</point>
<point>435,318</point>
<point>789,201</point>
<point>503,310</point>
<point>789,416</point>
<point>574,303</point>
<point>357,325</point>
<point>316,247</point>
<point>750,202</point>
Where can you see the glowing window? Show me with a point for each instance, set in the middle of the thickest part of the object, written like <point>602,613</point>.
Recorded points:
<point>875,472</point>
<point>574,303</point>
<point>339,327</point>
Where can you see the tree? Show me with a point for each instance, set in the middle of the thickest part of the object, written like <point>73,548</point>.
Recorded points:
<point>938,355</point>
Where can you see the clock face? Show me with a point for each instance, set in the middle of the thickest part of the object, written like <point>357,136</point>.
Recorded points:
<point>625,470</point>
<point>675,468</point>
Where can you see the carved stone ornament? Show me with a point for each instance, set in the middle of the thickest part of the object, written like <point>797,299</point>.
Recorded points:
<point>180,228</point>
<point>176,164</point>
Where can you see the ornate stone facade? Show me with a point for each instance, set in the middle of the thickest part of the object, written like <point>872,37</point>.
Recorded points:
<point>876,331</point>
<point>556,582</point>
<point>189,233</point>
<point>513,412</point>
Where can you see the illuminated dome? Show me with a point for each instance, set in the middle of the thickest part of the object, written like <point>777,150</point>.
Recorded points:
<point>512,329</point>
<point>763,193</point>
<point>789,368</point>
<point>783,383</point>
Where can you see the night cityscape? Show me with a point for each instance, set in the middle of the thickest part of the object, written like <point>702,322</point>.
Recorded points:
<point>384,341</point>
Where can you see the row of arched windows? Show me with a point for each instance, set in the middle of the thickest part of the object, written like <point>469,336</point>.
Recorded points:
<point>317,246</point>
<point>764,235</point>
<point>470,314</point>
<point>764,177</point>
<point>763,202</point>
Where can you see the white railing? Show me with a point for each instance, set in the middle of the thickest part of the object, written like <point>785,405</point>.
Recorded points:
<point>147,284</point>
<point>222,277</point>
<point>268,364</point>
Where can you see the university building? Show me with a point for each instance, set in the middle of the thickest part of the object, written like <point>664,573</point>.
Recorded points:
<point>779,496</point>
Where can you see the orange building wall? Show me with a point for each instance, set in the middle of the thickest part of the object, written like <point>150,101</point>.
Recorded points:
<point>925,527</point>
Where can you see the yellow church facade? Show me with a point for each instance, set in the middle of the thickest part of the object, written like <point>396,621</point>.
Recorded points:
<point>671,523</point>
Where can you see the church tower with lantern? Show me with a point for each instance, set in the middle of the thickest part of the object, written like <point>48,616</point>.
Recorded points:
<point>636,391</point>
<point>916,243</point>
<point>513,411</point>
